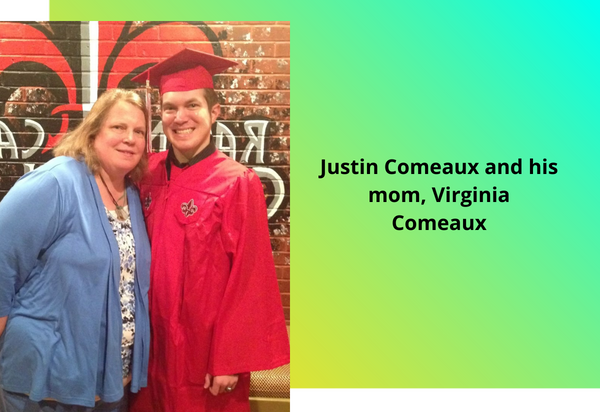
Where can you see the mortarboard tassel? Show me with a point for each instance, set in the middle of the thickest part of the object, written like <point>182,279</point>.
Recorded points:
<point>149,109</point>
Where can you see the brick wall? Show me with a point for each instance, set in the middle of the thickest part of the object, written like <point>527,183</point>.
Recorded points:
<point>51,72</point>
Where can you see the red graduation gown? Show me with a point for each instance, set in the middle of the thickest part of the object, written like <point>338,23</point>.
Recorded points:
<point>214,300</point>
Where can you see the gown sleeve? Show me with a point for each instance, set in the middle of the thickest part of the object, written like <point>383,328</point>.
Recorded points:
<point>29,216</point>
<point>250,332</point>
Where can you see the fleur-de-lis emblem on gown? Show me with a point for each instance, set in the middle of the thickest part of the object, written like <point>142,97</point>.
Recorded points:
<point>189,208</point>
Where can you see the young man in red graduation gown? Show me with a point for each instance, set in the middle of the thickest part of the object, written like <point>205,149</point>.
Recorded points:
<point>215,308</point>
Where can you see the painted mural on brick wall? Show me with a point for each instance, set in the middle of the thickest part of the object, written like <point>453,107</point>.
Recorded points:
<point>52,72</point>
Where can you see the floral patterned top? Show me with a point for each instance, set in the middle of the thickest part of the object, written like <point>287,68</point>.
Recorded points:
<point>124,236</point>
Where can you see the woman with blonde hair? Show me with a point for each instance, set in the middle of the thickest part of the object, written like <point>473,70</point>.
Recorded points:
<point>74,280</point>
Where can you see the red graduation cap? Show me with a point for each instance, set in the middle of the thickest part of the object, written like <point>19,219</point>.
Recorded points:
<point>184,71</point>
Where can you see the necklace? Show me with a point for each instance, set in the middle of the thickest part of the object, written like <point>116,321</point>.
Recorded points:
<point>121,212</point>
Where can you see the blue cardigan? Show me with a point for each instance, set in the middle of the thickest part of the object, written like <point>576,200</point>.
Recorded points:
<point>59,286</point>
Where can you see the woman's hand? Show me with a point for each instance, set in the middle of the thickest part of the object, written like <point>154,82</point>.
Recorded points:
<point>220,384</point>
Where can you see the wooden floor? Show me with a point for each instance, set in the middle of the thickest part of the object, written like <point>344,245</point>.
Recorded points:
<point>269,405</point>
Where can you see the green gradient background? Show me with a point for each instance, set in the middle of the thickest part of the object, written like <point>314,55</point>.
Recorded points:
<point>514,306</point>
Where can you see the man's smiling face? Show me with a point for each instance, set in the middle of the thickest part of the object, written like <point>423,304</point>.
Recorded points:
<point>187,121</point>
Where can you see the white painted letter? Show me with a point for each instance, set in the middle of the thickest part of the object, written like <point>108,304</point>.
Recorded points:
<point>255,141</point>
<point>10,144</point>
<point>26,154</point>
<point>223,131</point>
<point>278,187</point>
